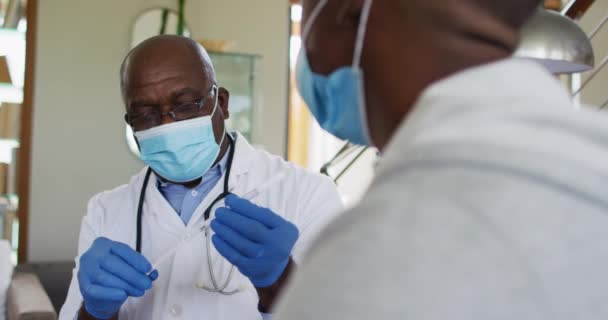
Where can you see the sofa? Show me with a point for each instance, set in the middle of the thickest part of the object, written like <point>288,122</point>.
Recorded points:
<point>27,299</point>
<point>38,290</point>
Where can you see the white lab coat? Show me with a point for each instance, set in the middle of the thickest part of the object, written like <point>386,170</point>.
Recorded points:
<point>304,198</point>
<point>490,202</point>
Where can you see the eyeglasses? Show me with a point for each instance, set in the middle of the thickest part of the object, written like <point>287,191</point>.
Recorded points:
<point>154,117</point>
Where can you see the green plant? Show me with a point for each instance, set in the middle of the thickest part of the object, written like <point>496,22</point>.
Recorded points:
<point>180,23</point>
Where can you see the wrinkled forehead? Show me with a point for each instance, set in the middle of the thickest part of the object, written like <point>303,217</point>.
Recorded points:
<point>163,61</point>
<point>164,55</point>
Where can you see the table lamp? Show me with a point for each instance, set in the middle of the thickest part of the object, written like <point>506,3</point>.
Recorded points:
<point>556,42</point>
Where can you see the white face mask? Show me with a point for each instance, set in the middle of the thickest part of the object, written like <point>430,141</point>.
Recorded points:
<point>181,151</point>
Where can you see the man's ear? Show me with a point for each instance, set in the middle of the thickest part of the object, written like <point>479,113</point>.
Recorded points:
<point>223,101</point>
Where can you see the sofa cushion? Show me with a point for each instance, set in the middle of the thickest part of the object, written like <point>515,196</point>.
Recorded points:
<point>27,299</point>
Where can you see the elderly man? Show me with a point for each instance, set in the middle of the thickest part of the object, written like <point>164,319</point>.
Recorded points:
<point>147,249</point>
<point>490,200</point>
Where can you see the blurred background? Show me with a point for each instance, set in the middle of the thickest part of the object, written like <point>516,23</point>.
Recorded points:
<point>62,133</point>
<point>63,137</point>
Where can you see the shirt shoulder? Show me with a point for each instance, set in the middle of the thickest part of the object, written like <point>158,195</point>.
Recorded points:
<point>114,201</point>
<point>302,192</point>
<point>275,164</point>
<point>425,244</point>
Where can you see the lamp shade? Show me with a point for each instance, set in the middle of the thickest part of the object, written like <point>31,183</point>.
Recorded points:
<point>556,42</point>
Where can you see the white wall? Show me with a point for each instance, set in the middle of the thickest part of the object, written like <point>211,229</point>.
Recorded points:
<point>261,27</point>
<point>78,141</point>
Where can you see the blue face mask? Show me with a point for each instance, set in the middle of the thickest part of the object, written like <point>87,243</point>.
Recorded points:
<point>180,151</point>
<point>337,100</point>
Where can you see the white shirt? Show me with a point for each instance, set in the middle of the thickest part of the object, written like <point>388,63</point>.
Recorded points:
<point>308,200</point>
<point>491,203</point>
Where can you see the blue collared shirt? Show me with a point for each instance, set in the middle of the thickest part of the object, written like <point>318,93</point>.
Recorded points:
<point>185,200</point>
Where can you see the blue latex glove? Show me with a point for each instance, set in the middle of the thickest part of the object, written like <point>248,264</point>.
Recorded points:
<point>254,239</point>
<point>109,273</point>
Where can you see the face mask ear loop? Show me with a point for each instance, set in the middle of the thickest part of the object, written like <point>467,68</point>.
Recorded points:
<point>313,16</point>
<point>367,5</point>
<point>217,93</point>
<point>223,136</point>
<point>213,113</point>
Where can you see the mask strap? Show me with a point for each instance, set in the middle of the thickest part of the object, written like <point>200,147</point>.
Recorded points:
<point>313,17</point>
<point>223,136</point>
<point>217,91</point>
<point>367,5</point>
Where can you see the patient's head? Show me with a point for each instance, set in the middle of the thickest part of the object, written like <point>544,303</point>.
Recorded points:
<point>410,44</point>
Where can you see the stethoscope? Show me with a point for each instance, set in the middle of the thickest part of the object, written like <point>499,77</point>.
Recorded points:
<point>217,288</point>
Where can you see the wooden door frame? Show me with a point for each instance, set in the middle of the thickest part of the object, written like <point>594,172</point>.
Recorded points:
<point>25,148</point>
<point>577,8</point>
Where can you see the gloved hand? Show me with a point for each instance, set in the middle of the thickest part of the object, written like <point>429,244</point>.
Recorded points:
<point>254,239</point>
<point>109,272</point>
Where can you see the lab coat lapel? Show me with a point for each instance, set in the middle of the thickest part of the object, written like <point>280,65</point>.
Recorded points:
<point>244,160</point>
<point>240,166</point>
<point>160,209</point>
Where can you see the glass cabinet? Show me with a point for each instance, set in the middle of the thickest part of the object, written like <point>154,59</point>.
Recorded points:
<point>236,72</point>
